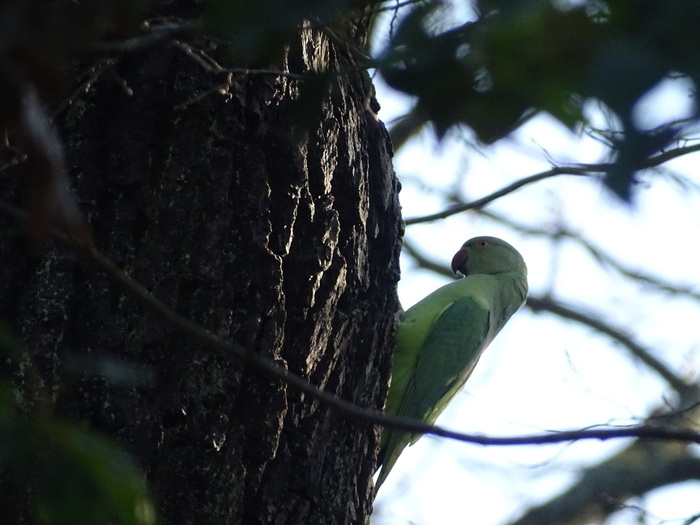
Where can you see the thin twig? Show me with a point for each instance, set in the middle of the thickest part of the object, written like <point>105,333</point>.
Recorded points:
<point>426,263</point>
<point>153,35</point>
<point>561,436</point>
<point>84,85</point>
<point>396,6</point>
<point>577,170</point>
<point>600,255</point>
<point>692,519</point>
<point>480,203</point>
<point>537,304</point>
<point>209,65</point>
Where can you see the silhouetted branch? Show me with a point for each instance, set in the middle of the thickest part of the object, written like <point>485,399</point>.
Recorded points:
<point>538,304</point>
<point>480,203</point>
<point>426,263</point>
<point>581,170</point>
<point>692,519</point>
<point>210,65</point>
<point>154,34</point>
<point>637,469</point>
<point>600,255</point>
<point>396,6</point>
<point>603,489</point>
<point>270,369</point>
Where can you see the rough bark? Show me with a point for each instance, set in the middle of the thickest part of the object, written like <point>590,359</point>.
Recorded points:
<point>280,237</point>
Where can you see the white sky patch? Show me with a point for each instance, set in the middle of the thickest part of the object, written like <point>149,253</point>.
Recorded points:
<point>671,99</point>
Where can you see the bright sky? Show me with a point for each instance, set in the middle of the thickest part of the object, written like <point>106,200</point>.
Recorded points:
<point>542,373</point>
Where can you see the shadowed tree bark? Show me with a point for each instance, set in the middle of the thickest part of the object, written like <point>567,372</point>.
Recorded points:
<point>279,236</point>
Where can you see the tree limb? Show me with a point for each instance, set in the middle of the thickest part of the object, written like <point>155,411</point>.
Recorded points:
<point>603,489</point>
<point>538,304</point>
<point>269,368</point>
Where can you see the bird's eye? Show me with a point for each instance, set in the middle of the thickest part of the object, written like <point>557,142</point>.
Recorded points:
<point>483,243</point>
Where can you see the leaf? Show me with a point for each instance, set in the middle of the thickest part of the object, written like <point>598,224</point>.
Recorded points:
<point>260,30</point>
<point>62,473</point>
<point>492,74</point>
<point>633,149</point>
<point>87,479</point>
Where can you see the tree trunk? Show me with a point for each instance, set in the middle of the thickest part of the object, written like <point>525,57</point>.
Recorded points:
<point>278,236</point>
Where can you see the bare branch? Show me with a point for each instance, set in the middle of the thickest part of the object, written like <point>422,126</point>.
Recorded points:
<point>396,6</point>
<point>480,203</point>
<point>637,469</point>
<point>209,65</point>
<point>269,368</point>
<point>581,170</point>
<point>692,519</point>
<point>84,84</point>
<point>153,35</point>
<point>538,304</point>
<point>170,33</point>
<point>426,263</point>
<point>600,255</point>
<point>603,489</point>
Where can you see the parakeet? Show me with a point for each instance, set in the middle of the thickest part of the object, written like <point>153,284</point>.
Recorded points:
<point>441,338</point>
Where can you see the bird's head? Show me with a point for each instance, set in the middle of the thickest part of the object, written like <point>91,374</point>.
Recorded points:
<point>488,255</point>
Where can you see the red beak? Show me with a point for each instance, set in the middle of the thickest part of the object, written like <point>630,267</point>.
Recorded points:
<point>459,260</point>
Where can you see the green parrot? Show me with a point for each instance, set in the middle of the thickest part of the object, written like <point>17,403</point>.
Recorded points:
<point>441,338</point>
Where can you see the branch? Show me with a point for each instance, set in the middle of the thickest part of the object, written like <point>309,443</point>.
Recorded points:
<point>153,35</point>
<point>210,65</point>
<point>426,263</point>
<point>483,201</point>
<point>692,519</point>
<point>636,470</point>
<point>84,84</point>
<point>561,436</point>
<point>538,304</point>
<point>603,489</point>
<point>270,369</point>
<point>170,33</point>
<point>577,170</point>
<point>396,6</point>
<point>600,255</point>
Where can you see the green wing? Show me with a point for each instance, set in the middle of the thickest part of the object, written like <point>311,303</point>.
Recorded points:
<point>446,357</point>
